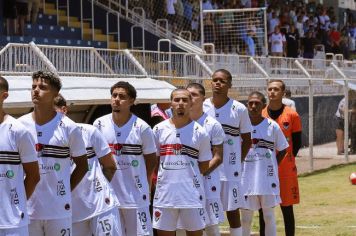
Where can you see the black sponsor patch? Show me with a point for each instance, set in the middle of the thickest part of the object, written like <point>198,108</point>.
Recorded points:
<point>107,200</point>
<point>236,174</point>
<point>274,185</point>
<point>67,206</point>
<point>144,197</point>
<point>213,189</point>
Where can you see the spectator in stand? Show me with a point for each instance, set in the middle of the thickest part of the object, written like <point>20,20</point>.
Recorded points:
<point>335,38</point>
<point>287,100</point>
<point>308,44</point>
<point>273,22</point>
<point>22,11</point>
<point>171,13</point>
<point>292,38</point>
<point>188,13</point>
<point>207,5</point>
<point>250,43</point>
<point>277,43</point>
<point>299,26</point>
<point>9,13</point>
<point>33,7</point>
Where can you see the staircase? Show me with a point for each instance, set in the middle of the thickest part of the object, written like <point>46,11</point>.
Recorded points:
<point>64,31</point>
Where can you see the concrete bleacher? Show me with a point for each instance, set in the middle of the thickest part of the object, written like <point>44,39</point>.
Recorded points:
<point>50,31</point>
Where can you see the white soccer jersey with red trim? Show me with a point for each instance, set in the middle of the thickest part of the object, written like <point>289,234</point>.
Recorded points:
<point>93,195</point>
<point>234,119</point>
<point>260,168</point>
<point>56,142</point>
<point>16,147</point>
<point>128,145</point>
<point>216,135</point>
<point>179,181</point>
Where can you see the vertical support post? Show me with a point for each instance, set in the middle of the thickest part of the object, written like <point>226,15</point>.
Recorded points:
<point>201,24</point>
<point>310,116</point>
<point>81,18</point>
<point>92,21</point>
<point>266,33</point>
<point>68,16</point>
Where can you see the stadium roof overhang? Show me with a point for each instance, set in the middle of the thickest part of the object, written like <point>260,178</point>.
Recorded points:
<point>88,90</point>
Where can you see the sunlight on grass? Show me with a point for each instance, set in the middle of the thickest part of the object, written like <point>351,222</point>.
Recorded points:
<point>328,205</point>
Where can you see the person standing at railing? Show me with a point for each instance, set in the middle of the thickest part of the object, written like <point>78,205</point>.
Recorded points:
<point>22,11</point>
<point>277,43</point>
<point>290,124</point>
<point>9,13</point>
<point>233,116</point>
<point>33,7</point>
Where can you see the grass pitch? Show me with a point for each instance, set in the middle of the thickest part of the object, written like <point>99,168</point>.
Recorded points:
<point>328,204</point>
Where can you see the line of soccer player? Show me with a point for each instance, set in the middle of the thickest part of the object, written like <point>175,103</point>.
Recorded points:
<point>213,155</point>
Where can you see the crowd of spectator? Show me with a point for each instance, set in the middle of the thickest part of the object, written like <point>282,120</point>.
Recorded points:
<point>294,28</point>
<point>17,12</point>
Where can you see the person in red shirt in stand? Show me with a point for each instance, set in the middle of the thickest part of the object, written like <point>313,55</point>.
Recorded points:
<point>290,124</point>
<point>335,38</point>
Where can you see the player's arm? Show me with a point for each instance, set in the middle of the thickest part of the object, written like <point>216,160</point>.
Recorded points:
<point>109,166</point>
<point>81,168</point>
<point>32,177</point>
<point>217,158</point>
<point>281,155</point>
<point>203,166</point>
<point>151,163</point>
<point>245,145</point>
<point>297,142</point>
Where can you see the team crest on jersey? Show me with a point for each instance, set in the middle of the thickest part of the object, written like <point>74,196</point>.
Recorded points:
<point>177,149</point>
<point>39,149</point>
<point>286,125</point>
<point>116,149</point>
<point>268,155</point>
<point>157,215</point>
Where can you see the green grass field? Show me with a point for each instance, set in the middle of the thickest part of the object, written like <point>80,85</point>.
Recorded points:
<point>328,204</point>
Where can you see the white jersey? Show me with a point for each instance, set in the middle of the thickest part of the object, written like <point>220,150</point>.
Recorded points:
<point>277,41</point>
<point>56,142</point>
<point>16,147</point>
<point>128,145</point>
<point>260,168</point>
<point>233,117</point>
<point>179,181</point>
<point>216,134</point>
<point>93,195</point>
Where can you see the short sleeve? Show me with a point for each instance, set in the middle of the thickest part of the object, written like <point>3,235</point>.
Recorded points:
<point>245,123</point>
<point>297,124</point>
<point>26,147</point>
<point>156,139</point>
<point>76,143</point>
<point>217,135</point>
<point>280,140</point>
<point>99,143</point>
<point>204,147</point>
<point>148,141</point>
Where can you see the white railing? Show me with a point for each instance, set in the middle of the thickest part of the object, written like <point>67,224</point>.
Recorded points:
<point>87,61</point>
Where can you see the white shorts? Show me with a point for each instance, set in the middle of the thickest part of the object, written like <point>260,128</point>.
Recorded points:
<point>168,219</point>
<point>136,221</point>
<point>107,223</point>
<point>231,196</point>
<point>60,227</point>
<point>256,202</point>
<point>21,231</point>
<point>214,212</point>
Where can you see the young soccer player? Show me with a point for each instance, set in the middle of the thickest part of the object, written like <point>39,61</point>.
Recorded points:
<point>213,207</point>
<point>184,151</point>
<point>260,183</point>
<point>58,140</point>
<point>290,124</point>
<point>133,146</point>
<point>18,157</point>
<point>233,117</point>
<point>95,203</point>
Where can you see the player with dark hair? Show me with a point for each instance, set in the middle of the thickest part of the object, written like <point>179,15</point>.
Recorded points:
<point>132,144</point>
<point>290,124</point>
<point>233,116</point>
<point>18,158</point>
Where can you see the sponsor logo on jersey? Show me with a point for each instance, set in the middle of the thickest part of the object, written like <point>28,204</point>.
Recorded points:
<point>232,158</point>
<point>268,155</point>
<point>14,196</point>
<point>176,165</point>
<point>60,188</point>
<point>285,125</point>
<point>229,142</point>
<point>48,168</point>
<point>10,174</point>
<point>122,164</point>
<point>253,156</point>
